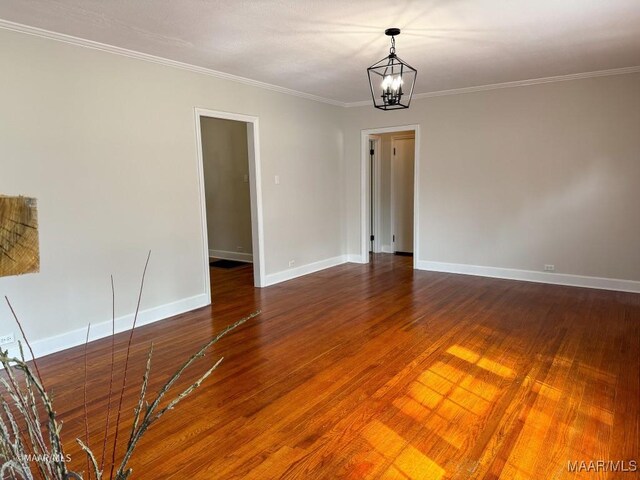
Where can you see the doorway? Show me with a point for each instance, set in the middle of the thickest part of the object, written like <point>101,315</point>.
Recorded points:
<point>402,191</point>
<point>230,193</point>
<point>389,194</point>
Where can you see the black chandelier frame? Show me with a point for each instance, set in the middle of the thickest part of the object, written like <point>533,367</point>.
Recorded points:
<point>389,67</point>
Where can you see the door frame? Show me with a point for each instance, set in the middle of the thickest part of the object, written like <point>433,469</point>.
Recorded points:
<point>364,188</point>
<point>392,178</point>
<point>255,193</point>
<point>377,198</point>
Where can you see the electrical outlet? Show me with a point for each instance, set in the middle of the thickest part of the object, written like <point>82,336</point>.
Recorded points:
<point>292,263</point>
<point>549,268</point>
<point>6,339</point>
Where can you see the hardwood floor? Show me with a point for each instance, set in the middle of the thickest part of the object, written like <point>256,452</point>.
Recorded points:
<point>379,371</point>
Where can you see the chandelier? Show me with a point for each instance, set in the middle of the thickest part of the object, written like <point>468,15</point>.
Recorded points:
<point>391,80</point>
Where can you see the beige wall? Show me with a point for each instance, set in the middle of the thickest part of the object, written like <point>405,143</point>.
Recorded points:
<point>107,144</point>
<point>522,177</point>
<point>226,180</point>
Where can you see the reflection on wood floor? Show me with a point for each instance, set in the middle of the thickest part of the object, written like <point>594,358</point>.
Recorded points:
<point>379,371</point>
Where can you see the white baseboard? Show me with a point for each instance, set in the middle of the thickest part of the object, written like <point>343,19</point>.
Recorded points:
<point>77,337</point>
<point>291,273</point>
<point>532,276</point>
<point>354,258</point>
<point>238,256</point>
<point>387,249</point>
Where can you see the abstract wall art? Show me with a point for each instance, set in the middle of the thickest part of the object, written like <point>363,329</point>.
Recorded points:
<point>19,246</point>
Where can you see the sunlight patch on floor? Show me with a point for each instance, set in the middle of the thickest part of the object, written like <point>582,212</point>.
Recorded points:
<point>407,461</point>
<point>482,362</point>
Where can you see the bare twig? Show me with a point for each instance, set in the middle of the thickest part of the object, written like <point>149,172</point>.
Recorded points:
<point>33,423</point>
<point>143,394</point>
<point>92,458</point>
<point>84,392</point>
<point>126,366</point>
<point>14,468</point>
<point>150,415</point>
<point>34,406</point>
<point>11,449</point>
<point>57,452</point>
<point>189,390</point>
<point>26,340</point>
<point>113,339</point>
<point>31,398</point>
<point>13,390</point>
<point>14,450</point>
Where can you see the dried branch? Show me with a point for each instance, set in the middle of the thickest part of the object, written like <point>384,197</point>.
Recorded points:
<point>113,340</point>
<point>9,449</point>
<point>33,423</point>
<point>13,452</point>
<point>26,340</point>
<point>189,390</point>
<point>126,366</point>
<point>90,456</point>
<point>150,415</point>
<point>31,401</point>
<point>56,467</point>
<point>36,440</point>
<point>12,467</point>
<point>84,393</point>
<point>57,450</point>
<point>31,397</point>
<point>143,394</point>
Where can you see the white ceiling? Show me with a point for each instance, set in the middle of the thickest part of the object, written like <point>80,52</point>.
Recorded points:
<point>323,47</point>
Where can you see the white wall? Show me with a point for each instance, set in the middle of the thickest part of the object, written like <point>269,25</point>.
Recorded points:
<point>107,144</point>
<point>226,180</point>
<point>522,177</point>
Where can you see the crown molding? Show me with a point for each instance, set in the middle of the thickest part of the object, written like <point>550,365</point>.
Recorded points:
<point>61,37</point>
<point>518,83</point>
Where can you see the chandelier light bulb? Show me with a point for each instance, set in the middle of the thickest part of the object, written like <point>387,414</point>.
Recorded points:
<point>392,82</point>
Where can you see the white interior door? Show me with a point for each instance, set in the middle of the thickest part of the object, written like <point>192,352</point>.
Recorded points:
<point>402,168</point>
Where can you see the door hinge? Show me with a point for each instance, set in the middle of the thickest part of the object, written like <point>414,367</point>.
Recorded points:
<point>394,150</point>
<point>394,238</point>
<point>371,238</point>
<point>372,152</point>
